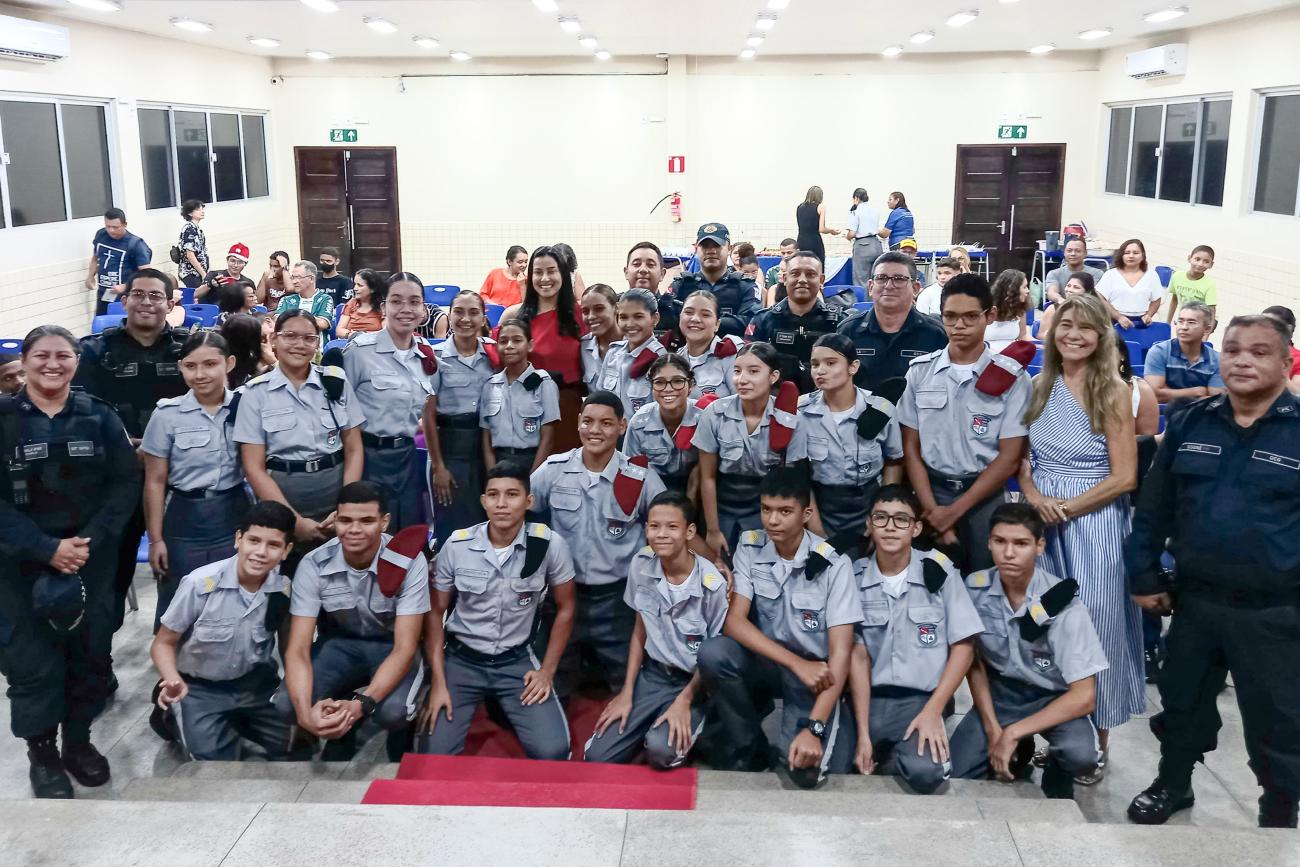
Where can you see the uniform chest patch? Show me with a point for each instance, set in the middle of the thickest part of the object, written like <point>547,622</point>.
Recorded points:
<point>693,642</point>
<point>637,403</point>
<point>811,620</point>
<point>979,424</point>
<point>927,634</point>
<point>615,529</point>
<point>530,424</point>
<point>1042,661</point>
<point>524,600</point>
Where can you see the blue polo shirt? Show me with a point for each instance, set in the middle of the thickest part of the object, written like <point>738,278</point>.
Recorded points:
<point>901,226</point>
<point>1166,359</point>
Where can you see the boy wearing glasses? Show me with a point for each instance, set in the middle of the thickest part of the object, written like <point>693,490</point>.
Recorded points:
<point>962,420</point>
<point>913,648</point>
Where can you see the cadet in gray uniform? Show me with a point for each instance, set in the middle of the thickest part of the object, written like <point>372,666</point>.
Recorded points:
<point>496,575</point>
<point>215,650</point>
<point>368,592</point>
<point>712,358</point>
<point>913,648</point>
<point>194,495</point>
<point>598,501</point>
<point>628,360</point>
<point>299,430</point>
<point>807,611</point>
<point>963,426</point>
<point>662,430</point>
<point>392,373</point>
<point>520,405</point>
<point>680,600</point>
<point>853,440</point>
<point>1035,673</point>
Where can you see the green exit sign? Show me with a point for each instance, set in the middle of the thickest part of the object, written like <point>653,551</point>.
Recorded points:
<point>1013,131</point>
<point>349,136</point>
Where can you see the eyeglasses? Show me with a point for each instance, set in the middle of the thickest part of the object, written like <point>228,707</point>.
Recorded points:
<point>967,319</point>
<point>881,520</point>
<point>898,281</point>
<point>677,383</point>
<point>150,297</point>
<point>292,337</point>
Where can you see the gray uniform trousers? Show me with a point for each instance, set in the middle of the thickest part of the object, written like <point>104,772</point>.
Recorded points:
<point>602,630</point>
<point>657,686</point>
<point>341,665</point>
<point>865,253</point>
<point>197,532</point>
<point>215,715</point>
<point>973,527</point>
<point>892,709</point>
<point>738,683</point>
<point>401,472</point>
<point>473,677</point>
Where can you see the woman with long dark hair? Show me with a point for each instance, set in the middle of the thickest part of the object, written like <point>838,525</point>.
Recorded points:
<point>253,355</point>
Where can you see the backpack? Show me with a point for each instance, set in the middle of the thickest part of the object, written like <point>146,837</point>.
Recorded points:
<point>175,253</point>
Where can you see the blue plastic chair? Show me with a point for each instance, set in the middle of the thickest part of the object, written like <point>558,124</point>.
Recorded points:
<point>440,294</point>
<point>493,312</point>
<point>205,314</point>
<point>1165,273</point>
<point>862,305</point>
<point>187,295</point>
<point>1033,369</point>
<point>860,293</point>
<point>1136,355</point>
<point>115,308</point>
<point>108,320</point>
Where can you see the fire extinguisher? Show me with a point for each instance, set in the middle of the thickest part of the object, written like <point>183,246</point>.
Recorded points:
<point>674,206</point>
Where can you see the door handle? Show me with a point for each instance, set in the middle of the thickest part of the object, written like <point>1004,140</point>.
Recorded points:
<point>1011,239</point>
<point>1002,227</point>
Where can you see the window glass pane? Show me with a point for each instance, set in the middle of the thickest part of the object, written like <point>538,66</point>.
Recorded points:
<point>31,138</point>
<point>1117,155</point>
<point>156,158</point>
<point>192,161</point>
<point>228,168</point>
<point>85,135</point>
<point>1215,118</point>
<point>1146,139</point>
<point>1279,156</point>
<point>255,156</point>
<point>1179,151</point>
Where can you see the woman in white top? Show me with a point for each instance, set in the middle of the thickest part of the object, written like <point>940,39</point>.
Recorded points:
<point>864,222</point>
<point>1010,298</point>
<point>1132,290</point>
<point>1146,410</point>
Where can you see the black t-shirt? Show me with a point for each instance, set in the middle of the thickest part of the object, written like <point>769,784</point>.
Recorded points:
<point>338,287</point>
<point>216,279</point>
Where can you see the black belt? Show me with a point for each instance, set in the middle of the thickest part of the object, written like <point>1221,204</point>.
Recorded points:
<point>600,591</point>
<point>197,494</point>
<point>891,691</point>
<point>1241,597</point>
<point>464,651</point>
<point>377,442</point>
<point>960,484</point>
<point>460,421</point>
<point>509,452</point>
<point>669,671</point>
<point>315,465</point>
<point>846,489</point>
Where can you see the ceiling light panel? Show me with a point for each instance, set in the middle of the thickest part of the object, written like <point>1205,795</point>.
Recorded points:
<point>961,19</point>
<point>321,5</point>
<point>98,5</point>
<point>191,25</point>
<point>380,25</point>
<point>263,42</point>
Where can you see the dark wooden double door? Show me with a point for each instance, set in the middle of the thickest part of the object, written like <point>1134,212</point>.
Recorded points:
<point>347,199</point>
<point>1007,197</point>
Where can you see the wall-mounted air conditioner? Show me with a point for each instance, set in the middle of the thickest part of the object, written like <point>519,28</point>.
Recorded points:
<point>33,41</point>
<point>1157,62</point>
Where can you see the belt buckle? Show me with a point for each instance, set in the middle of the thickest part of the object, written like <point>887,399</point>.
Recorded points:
<point>311,466</point>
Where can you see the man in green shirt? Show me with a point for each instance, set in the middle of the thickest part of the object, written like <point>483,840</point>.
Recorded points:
<point>303,294</point>
<point>789,247</point>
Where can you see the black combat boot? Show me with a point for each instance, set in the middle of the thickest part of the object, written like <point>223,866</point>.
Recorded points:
<point>47,775</point>
<point>80,757</point>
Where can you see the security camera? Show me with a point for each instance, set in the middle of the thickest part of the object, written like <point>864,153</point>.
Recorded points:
<point>277,79</point>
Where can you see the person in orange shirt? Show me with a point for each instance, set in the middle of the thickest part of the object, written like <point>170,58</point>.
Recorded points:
<point>504,286</point>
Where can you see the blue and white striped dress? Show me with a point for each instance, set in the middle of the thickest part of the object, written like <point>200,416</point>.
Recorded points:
<point>1067,459</point>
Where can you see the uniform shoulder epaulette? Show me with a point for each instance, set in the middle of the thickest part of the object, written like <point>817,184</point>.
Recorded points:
<point>538,530</point>
<point>753,538</point>
<point>712,580</point>
<point>537,541</point>
<point>170,401</point>
<point>1034,622</point>
<point>207,581</point>
<point>935,568</point>
<point>561,458</point>
<point>643,412</point>
<point>819,559</point>
<point>921,359</point>
<point>365,338</point>
<point>979,580</point>
<point>90,402</point>
<point>260,379</point>
<point>462,535</point>
<point>646,551</point>
<point>809,399</point>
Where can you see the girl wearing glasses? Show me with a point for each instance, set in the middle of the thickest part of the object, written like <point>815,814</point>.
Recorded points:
<point>520,406</point>
<point>853,438</point>
<point>654,429</point>
<point>712,358</point>
<point>628,360</point>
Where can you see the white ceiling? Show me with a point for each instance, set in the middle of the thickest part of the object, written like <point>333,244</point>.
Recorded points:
<point>515,28</point>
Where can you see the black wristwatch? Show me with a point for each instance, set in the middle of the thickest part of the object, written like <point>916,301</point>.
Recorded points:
<point>816,726</point>
<point>368,704</point>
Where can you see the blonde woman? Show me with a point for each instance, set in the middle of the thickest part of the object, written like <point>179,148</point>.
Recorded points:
<point>1082,465</point>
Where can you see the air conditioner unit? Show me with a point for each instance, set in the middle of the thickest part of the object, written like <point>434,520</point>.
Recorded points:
<point>34,41</point>
<point>1159,61</point>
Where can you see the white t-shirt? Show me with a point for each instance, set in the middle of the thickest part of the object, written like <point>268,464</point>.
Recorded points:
<point>1133,300</point>
<point>998,335</point>
<point>962,372</point>
<point>864,220</point>
<point>928,301</point>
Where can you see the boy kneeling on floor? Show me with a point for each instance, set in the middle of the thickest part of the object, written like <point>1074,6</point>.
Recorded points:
<point>680,599</point>
<point>1035,673</point>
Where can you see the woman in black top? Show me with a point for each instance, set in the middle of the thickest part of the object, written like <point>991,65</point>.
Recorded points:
<point>811,217</point>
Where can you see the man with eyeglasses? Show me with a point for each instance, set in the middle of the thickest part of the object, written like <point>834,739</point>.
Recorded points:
<point>303,294</point>
<point>797,320</point>
<point>133,367</point>
<point>892,333</point>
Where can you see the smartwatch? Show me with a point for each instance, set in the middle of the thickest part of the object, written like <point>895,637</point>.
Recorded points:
<point>816,726</point>
<point>368,704</point>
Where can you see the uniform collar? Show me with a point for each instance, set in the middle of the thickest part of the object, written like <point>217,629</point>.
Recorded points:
<point>279,380</point>
<point>783,306</point>
<point>767,554</point>
<point>694,581</point>
<point>816,405</point>
<point>336,563</point>
<point>448,349</point>
<point>1038,585</point>
<point>575,464</point>
<point>190,403</point>
<point>943,361</point>
<point>652,343</point>
<point>873,576</point>
<point>733,410</point>
<point>228,578</point>
<point>480,541</point>
<point>500,376</point>
<point>914,317</point>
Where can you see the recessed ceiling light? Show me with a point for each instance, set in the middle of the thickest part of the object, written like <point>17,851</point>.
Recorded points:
<point>893,51</point>
<point>586,40</point>
<point>98,5</point>
<point>461,56</point>
<point>546,5</point>
<point>747,54</point>
<point>602,54</point>
<point>777,5</point>
<point>921,37</point>
<point>1045,48</point>
<point>766,21</point>
<point>963,18</point>
<point>321,5</point>
<point>316,54</point>
<point>425,41</point>
<point>1008,1</point>
<point>569,24</point>
<point>191,25</point>
<point>1096,33</point>
<point>1160,16</point>
<point>755,40</point>
<point>380,25</point>
<point>263,42</point>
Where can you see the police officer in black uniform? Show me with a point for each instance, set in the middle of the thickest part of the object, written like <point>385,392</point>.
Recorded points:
<point>1224,489</point>
<point>69,481</point>
<point>893,331</point>
<point>133,367</point>
<point>738,298</point>
<point>797,320</point>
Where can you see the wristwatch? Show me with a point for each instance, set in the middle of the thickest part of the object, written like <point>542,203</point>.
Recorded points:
<point>367,703</point>
<point>816,726</point>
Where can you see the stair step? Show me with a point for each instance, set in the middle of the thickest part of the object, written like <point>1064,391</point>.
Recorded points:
<point>737,781</point>
<point>897,805</point>
<point>209,790</point>
<point>495,793</point>
<point>485,769</point>
<point>303,771</point>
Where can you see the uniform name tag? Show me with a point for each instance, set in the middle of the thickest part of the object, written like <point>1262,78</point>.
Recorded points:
<point>866,351</point>
<point>36,451</point>
<point>785,337</point>
<point>131,369</point>
<point>725,311</point>
<point>910,353</point>
<point>1202,448</point>
<point>168,368</point>
<point>1279,460</point>
<point>81,449</point>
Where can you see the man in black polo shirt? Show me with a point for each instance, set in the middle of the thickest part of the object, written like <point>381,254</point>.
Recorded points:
<point>892,332</point>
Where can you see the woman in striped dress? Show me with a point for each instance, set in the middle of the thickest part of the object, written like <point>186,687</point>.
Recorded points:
<point>1082,464</point>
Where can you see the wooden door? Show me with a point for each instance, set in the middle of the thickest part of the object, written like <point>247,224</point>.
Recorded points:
<point>347,199</point>
<point>1006,198</point>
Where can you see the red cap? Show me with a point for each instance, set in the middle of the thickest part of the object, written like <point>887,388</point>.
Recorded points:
<point>239,251</point>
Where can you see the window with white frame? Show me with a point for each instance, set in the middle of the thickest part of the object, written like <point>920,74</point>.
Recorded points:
<point>54,160</point>
<point>209,155</point>
<point>1277,163</point>
<point>1175,151</point>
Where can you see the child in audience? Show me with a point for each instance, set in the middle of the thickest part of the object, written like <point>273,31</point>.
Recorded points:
<point>927,301</point>
<point>1194,284</point>
<point>1011,299</point>
<point>598,312</point>
<point>750,268</point>
<point>654,430</point>
<point>712,358</point>
<point>624,369</point>
<point>520,406</point>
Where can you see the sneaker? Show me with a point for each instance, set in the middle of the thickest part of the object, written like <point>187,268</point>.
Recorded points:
<point>1097,774</point>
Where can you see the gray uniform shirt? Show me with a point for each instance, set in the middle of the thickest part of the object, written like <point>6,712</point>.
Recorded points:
<point>223,633</point>
<point>495,605</point>
<point>792,610</point>
<point>676,621</point>
<point>201,452</point>
<point>592,363</point>
<point>646,435</point>
<point>349,600</point>
<point>908,638</point>
<point>960,426</point>
<point>602,537</point>
<point>1067,652</point>
<point>390,384</point>
<point>713,375</point>
<point>295,424</point>
<point>512,415</point>
<point>722,431</point>
<point>837,454</point>
<point>615,374</point>
<point>459,380</point>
